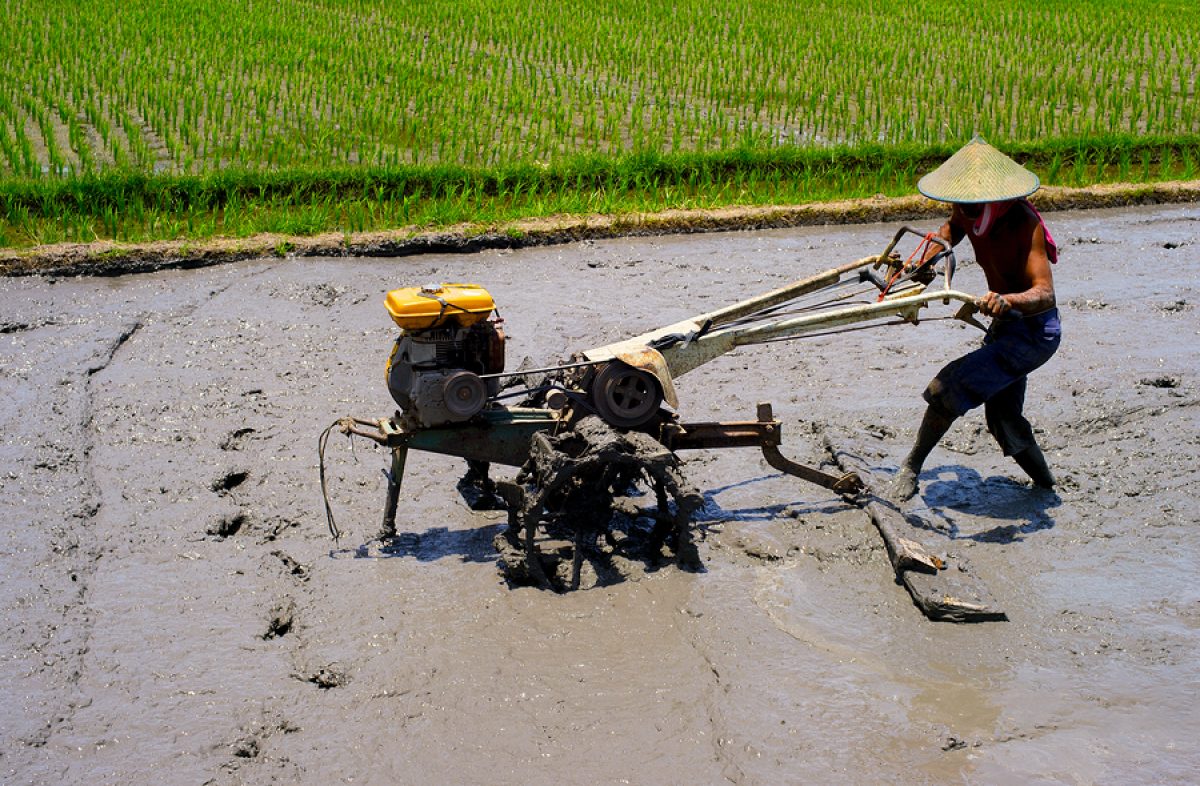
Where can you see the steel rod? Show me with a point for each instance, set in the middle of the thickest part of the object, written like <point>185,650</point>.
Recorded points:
<point>783,294</point>
<point>843,316</point>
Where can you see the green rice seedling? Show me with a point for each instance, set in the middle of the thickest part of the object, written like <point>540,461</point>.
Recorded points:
<point>1187,163</point>
<point>1079,169</point>
<point>1166,165</point>
<point>1124,164</point>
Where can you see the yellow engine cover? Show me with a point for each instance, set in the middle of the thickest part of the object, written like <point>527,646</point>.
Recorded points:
<point>444,305</point>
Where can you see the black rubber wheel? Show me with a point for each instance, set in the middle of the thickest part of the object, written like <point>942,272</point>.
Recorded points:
<point>624,396</point>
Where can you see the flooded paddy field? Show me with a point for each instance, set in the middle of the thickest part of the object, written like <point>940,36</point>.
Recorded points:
<point>174,610</point>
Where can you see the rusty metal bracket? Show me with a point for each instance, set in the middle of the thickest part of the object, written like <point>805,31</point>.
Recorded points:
<point>357,427</point>
<point>848,483</point>
<point>726,434</point>
<point>766,433</point>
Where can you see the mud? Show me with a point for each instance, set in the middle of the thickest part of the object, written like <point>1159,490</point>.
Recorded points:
<point>575,504</point>
<point>174,612</point>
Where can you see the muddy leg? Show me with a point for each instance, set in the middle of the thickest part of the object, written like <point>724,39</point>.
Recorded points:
<point>1014,434</point>
<point>1034,463</point>
<point>934,426</point>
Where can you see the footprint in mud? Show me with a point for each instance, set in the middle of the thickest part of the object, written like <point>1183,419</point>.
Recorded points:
<point>230,480</point>
<point>1174,307</point>
<point>293,568</point>
<point>21,327</point>
<point>235,439</point>
<point>226,519</point>
<point>1162,381</point>
<point>272,527</point>
<point>230,519</point>
<point>326,677</point>
<point>252,736</point>
<point>225,522</point>
<point>322,295</point>
<point>281,619</point>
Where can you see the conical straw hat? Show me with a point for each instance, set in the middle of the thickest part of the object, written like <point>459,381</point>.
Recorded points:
<point>978,172</point>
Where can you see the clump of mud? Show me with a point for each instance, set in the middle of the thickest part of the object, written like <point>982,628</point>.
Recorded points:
<point>572,519</point>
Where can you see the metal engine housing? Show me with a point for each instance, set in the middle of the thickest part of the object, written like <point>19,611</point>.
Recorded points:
<point>434,375</point>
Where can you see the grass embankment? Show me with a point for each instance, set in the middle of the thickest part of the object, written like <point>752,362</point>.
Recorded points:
<point>138,208</point>
<point>134,121</point>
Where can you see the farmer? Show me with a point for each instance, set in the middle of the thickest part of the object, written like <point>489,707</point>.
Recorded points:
<point>988,191</point>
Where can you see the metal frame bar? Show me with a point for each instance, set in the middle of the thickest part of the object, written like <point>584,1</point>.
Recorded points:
<point>676,349</point>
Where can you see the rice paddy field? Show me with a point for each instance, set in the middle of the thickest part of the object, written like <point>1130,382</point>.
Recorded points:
<point>137,120</point>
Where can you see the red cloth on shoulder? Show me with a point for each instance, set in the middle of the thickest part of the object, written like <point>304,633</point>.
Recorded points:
<point>1051,246</point>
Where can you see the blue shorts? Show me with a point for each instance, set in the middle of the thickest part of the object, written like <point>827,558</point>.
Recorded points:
<point>1013,347</point>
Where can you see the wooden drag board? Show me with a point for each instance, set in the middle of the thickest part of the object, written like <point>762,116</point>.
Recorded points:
<point>944,589</point>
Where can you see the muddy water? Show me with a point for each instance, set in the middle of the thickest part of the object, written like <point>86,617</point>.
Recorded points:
<point>174,611</point>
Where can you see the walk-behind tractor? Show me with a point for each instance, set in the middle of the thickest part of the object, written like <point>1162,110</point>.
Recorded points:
<point>587,431</point>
